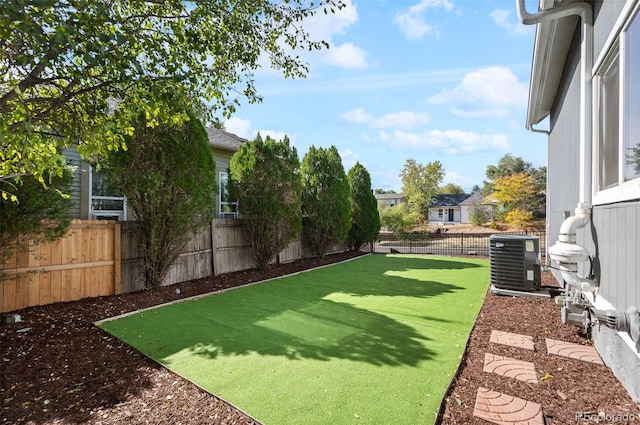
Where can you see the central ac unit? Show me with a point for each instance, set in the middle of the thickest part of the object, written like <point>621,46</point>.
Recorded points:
<point>515,262</point>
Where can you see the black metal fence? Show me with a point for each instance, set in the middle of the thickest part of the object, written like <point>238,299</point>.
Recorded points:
<point>446,243</point>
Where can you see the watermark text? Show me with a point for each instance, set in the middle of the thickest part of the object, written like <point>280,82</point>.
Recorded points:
<point>603,417</point>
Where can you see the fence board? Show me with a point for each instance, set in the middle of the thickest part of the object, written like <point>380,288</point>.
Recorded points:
<point>84,263</point>
<point>232,249</point>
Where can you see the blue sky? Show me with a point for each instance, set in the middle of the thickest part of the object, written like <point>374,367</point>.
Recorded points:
<point>431,80</point>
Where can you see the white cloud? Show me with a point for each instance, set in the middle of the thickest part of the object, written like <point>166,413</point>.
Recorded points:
<point>502,18</point>
<point>239,127</point>
<point>453,177</point>
<point>346,55</point>
<point>274,134</point>
<point>243,128</point>
<point>412,21</point>
<point>488,92</point>
<point>450,142</point>
<point>326,27</point>
<point>400,119</point>
<point>349,159</point>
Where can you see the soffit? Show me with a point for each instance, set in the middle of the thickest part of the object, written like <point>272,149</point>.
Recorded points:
<point>552,42</point>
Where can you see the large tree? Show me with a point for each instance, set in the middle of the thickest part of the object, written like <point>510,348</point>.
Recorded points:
<point>62,60</point>
<point>167,174</point>
<point>365,218</point>
<point>326,199</point>
<point>451,189</point>
<point>513,171</point>
<point>420,184</point>
<point>265,178</point>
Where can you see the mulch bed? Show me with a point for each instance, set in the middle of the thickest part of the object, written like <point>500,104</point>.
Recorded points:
<point>58,368</point>
<point>566,387</point>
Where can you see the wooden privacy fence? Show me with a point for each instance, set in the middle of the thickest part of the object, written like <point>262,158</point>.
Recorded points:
<point>103,258</point>
<point>85,263</point>
<point>194,262</point>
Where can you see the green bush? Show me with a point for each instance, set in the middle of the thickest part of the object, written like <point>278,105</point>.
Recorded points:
<point>365,218</point>
<point>168,176</point>
<point>397,219</point>
<point>478,215</point>
<point>265,178</point>
<point>326,201</point>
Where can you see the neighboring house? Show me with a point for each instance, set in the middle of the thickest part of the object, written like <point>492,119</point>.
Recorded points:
<point>389,199</point>
<point>473,203</point>
<point>95,199</point>
<point>447,209</point>
<point>586,79</point>
<point>224,145</point>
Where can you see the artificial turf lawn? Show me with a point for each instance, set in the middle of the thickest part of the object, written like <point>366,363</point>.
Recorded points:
<point>375,340</point>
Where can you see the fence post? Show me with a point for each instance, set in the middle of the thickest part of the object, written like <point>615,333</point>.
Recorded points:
<point>212,226</point>
<point>117,258</point>
<point>461,243</point>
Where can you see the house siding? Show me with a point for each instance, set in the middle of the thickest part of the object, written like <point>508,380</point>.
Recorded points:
<point>435,218</point>
<point>612,235</point>
<point>563,174</point>
<point>605,15</point>
<point>73,158</point>
<point>618,233</point>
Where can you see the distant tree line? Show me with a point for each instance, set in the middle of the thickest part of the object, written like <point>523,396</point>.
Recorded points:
<point>515,188</point>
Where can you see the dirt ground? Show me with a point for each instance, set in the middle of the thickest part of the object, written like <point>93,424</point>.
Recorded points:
<point>58,368</point>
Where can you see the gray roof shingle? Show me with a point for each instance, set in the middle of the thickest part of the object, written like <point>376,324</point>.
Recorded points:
<point>224,140</point>
<point>448,200</point>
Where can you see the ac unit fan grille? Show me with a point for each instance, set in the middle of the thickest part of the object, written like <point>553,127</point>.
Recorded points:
<point>514,262</point>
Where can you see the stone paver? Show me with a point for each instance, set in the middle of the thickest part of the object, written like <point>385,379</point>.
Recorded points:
<point>513,340</point>
<point>511,368</point>
<point>573,351</point>
<point>503,409</point>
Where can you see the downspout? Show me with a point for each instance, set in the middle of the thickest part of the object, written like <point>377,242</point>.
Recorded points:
<point>547,260</point>
<point>566,251</point>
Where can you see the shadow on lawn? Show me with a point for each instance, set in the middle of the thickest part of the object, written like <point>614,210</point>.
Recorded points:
<point>322,315</point>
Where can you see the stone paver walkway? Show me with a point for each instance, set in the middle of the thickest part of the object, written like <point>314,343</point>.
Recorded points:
<point>513,340</point>
<point>511,368</point>
<point>573,351</point>
<point>505,409</point>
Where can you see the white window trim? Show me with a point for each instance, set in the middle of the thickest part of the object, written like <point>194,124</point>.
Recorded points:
<point>96,214</point>
<point>629,190</point>
<point>232,214</point>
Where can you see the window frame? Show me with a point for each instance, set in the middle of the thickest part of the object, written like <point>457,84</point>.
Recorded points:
<point>616,45</point>
<point>105,214</point>
<point>222,214</point>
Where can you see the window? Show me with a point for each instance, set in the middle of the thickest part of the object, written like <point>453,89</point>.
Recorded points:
<point>632,101</point>
<point>608,119</point>
<point>227,207</point>
<point>105,201</point>
<point>617,126</point>
<point>440,212</point>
